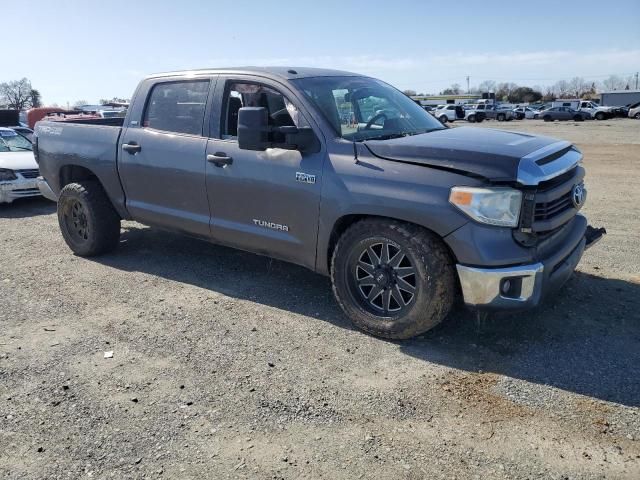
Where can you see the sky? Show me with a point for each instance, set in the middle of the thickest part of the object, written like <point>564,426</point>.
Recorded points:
<point>75,50</point>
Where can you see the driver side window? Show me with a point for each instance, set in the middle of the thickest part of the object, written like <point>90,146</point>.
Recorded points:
<point>281,112</point>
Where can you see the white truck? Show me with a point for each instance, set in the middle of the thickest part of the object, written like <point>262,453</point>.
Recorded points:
<point>597,111</point>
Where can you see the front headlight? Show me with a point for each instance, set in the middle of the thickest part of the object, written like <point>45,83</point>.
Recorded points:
<point>498,206</point>
<point>6,174</point>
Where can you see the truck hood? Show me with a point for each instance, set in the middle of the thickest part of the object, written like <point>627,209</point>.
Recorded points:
<point>18,160</point>
<point>488,153</point>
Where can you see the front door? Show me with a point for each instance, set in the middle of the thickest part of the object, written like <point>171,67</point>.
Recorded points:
<point>262,201</point>
<point>162,161</point>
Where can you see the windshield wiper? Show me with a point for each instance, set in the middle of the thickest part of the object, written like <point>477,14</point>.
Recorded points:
<point>386,136</point>
<point>389,136</point>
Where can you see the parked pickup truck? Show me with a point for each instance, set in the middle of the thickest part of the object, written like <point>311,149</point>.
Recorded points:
<point>593,109</point>
<point>400,211</point>
<point>491,112</point>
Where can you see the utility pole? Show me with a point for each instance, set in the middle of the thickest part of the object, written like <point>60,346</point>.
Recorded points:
<point>468,90</point>
<point>636,80</point>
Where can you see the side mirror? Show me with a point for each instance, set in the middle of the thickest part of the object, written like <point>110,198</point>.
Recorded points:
<point>255,133</point>
<point>253,128</point>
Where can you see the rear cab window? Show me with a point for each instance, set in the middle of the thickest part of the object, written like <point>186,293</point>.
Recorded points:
<point>177,107</point>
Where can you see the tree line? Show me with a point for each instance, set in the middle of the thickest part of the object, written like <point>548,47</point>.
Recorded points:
<point>19,95</point>
<point>511,92</point>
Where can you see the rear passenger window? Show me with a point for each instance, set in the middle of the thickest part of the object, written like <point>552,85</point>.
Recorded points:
<point>177,107</point>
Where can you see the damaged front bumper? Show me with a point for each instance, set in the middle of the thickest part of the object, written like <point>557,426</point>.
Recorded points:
<point>11,190</point>
<point>524,286</point>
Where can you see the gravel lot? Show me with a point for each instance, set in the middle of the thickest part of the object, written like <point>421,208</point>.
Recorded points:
<point>230,365</point>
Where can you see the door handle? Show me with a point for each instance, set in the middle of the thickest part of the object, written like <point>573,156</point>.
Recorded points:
<point>131,148</point>
<point>219,159</point>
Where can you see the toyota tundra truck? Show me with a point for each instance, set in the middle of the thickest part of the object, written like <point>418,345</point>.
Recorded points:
<point>405,215</point>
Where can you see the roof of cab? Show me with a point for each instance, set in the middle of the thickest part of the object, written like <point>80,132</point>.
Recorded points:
<point>286,73</point>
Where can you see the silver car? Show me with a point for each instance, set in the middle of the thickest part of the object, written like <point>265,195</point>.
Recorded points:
<point>564,113</point>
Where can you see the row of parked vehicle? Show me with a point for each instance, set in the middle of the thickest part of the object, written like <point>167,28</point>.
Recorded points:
<point>576,110</point>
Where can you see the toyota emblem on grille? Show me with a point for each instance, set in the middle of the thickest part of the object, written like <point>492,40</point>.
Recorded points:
<point>577,195</point>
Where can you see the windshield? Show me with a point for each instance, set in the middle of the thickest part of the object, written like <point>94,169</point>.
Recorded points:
<point>10,141</point>
<point>361,108</point>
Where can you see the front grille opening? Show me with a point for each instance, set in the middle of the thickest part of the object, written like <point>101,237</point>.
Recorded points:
<point>30,173</point>
<point>547,210</point>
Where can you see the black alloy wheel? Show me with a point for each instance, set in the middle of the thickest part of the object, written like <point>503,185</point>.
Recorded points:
<point>383,278</point>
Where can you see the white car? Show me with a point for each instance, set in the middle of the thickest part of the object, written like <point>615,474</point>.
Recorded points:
<point>527,111</point>
<point>451,113</point>
<point>18,167</point>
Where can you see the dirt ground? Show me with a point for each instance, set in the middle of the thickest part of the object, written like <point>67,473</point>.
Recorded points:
<point>230,365</point>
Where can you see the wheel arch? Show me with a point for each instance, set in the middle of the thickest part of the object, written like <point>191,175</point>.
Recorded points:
<point>73,173</point>
<point>342,224</point>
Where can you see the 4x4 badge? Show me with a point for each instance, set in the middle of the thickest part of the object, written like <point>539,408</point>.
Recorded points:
<point>305,178</point>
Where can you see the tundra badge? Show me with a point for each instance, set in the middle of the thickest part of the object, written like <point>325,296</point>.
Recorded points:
<point>271,225</point>
<point>305,178</point>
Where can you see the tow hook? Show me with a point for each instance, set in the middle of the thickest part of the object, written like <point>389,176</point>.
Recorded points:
<point>593,235</point>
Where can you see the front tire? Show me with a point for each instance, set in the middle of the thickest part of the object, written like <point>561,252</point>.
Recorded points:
<point>443,119</point>
<point>393,280</point>
<point>472,118</point>
<point>578,118</point>
<point>88,222</point>
<point>637,116</point>
<point>546,118</point>
<point>501,117</point>
<point>600,116</point>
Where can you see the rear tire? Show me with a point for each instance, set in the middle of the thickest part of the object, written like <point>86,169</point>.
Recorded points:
<point>392,279</point>
<point>472,118</point>
<point>501,117</point>
<point>88,222</point>
<point>578,118</point>
<point>637,116</point>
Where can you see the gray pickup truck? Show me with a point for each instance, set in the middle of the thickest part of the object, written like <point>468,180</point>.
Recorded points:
<point>338,172</point>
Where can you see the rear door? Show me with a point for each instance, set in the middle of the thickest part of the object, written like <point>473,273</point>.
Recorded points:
<point>162,161</point>
<point>262,201</point>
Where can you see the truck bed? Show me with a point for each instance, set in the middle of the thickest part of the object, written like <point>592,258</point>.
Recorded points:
<point>113,121</point>
<point>81,144</point>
